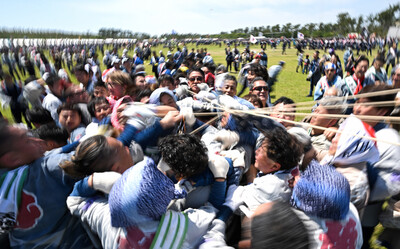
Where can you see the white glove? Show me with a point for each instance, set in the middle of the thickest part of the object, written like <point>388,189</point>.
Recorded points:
<point>231,103</point>
<point>236,156</point>
<point>137,115</point>
<point>182,90</point>
<point>185,185</point>
<point>218,166</point>
<point>199,105</point>
<point>205,96</point>
<point>227,138</point>
<point>186,102</point>
<point>163,166</point>
<point>215,236</point>
<point>203,87</point>
<point>183,81</point>
<point>105,181</point>
<point>187,113</point>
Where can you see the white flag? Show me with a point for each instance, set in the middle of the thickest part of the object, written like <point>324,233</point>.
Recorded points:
<point>253,39</point>
<point>300,35</point>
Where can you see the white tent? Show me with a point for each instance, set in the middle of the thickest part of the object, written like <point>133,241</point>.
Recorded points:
<point>393,32</point>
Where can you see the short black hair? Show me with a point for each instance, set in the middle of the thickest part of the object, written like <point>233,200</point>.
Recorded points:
<point>69,107</point>
<point>52,132</point>
<point>278,228</point>
<point>210,66</point>
<point>166,77</point>
<point>381,97</point>
<point>81,68</point>
<point>259,71</point>
<point>39,115</point>
<point>196,69</point>
<point>258,78</point>
<point>100,83</point>
<point>361,58</point>
<point>143,93</point>
<point>282,147</point>
<point>285,100</point>
<point>96,101</point>
<point>252,97</point>
<point>185,154</point>
<point>52,79</point>
<point>230,77</point>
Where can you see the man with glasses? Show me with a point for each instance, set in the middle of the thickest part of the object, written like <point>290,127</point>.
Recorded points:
<point>329,80</point>
<point>260,88</point>
<point>195,77</point>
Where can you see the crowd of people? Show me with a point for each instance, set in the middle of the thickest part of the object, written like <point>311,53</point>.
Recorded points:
<point>181,159</point>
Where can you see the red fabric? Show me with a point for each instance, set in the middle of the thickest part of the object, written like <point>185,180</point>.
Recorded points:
<point>370,130</point>
<point>359,83</point>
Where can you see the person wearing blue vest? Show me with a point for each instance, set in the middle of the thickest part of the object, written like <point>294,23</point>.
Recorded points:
<point>33,192</point>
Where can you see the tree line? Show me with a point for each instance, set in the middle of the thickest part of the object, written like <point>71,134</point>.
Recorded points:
<point>374,23</point>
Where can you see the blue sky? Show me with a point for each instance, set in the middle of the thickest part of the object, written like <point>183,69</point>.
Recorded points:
<point>191,16</point>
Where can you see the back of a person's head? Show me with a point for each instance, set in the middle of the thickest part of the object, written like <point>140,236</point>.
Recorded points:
<point>285,100</point>
<point>379,97</point>
<point>221,69</point>
<point>278,227</point>
<point>211,67</point>
<point>39,115</point>
<point>323,192</point>
<point>52,79</point>
<point>51,132</point>
<point>92,155</point>
<point>333,104</point>
<point>165,79</point>
<point>184,153</point>
<point>141,196</point>
<point>282,147</point>
<point>259,70</point>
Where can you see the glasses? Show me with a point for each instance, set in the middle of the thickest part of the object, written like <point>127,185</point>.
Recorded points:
<point>260,88</point>
<point>199,78</point>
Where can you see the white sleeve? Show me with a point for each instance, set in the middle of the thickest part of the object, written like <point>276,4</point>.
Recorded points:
<point>388,168</point>
<point>96,216</point>
<point>199,223</point>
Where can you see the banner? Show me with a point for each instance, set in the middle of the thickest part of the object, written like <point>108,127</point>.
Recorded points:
<point>253,39</point>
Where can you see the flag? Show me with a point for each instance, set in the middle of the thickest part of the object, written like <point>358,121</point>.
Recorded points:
<point>253,39</point>
<point>300,35</point>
